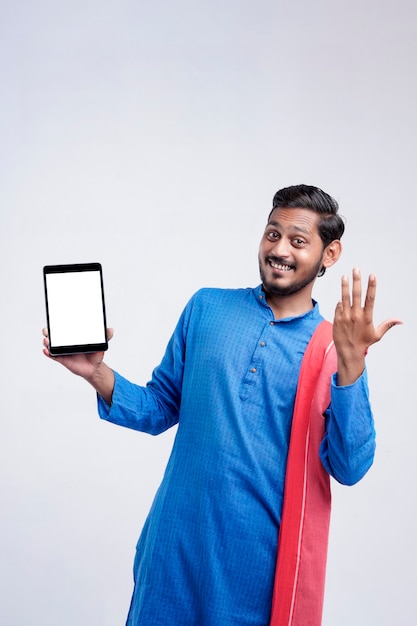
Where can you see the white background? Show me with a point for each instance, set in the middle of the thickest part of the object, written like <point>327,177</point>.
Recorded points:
<point>151,137</point>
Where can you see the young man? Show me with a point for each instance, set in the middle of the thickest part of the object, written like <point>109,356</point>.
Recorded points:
<point>263,420</point>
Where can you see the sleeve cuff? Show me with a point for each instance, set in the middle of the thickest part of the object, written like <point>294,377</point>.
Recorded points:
<point>362,379</point>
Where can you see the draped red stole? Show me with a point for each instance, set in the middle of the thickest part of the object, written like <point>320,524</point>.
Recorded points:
<point>302,545</point>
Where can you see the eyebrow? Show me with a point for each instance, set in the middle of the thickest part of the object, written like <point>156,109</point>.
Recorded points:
<point>300,229</point>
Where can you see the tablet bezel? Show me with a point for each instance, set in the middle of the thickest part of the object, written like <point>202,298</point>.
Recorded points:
<point>79,348</point>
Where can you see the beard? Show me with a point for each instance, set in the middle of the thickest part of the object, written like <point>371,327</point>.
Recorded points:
<point>275,289</point>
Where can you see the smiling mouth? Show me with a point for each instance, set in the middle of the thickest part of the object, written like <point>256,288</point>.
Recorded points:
<point>282,267</point>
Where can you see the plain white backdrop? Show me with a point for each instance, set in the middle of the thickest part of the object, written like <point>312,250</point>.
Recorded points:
<point>151,137</point>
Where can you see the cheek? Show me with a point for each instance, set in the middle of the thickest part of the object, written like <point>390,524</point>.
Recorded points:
<point>312,252</point>
<point>262,248</point>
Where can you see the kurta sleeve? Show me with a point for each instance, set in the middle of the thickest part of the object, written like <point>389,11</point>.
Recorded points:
<point>155,407</point>
<point>348,447</point>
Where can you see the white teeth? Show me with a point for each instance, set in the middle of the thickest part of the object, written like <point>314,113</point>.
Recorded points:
<point>282,268</point>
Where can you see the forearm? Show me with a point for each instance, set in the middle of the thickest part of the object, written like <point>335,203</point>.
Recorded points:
<point>348,447</point>
<point>153,408</point>
<point>103,382</point>
<point>145,409</point>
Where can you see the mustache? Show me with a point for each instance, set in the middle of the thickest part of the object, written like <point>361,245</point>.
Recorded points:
<point>279,260</point>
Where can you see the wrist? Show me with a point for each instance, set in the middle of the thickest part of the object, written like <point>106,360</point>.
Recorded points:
<point>349,369</point>
<point>102,379</point>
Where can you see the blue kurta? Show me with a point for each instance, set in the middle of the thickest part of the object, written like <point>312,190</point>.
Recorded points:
<point>207,553</point>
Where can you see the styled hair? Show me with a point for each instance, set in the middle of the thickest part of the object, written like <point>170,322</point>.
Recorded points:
<point>330,226</point>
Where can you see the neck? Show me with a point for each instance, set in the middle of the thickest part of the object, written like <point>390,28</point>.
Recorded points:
<point>289,306</point>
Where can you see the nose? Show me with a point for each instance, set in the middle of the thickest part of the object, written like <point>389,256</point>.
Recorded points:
<point>281,248</point>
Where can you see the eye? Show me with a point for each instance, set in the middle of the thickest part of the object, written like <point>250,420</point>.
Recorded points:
<point>299,242</point>
<point>272,235</point>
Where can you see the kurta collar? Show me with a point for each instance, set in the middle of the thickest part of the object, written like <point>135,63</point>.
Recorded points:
<point>259,294</point>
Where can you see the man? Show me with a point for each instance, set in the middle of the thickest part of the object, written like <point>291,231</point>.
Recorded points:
<point>252,452</point>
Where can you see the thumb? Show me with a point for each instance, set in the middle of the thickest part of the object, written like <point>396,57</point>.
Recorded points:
<point>385,326</point>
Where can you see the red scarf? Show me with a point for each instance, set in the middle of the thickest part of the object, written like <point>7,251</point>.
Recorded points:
<point>303,537</point>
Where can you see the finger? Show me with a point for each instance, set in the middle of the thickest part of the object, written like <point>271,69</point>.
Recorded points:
<point>345,301</point>
<point>338,310</point>
<point>385,326</point>
<point>109,333</point>
<point>356,289</point>
<point>370,296</point>
<point>48,354</point>
<point>45,332</point>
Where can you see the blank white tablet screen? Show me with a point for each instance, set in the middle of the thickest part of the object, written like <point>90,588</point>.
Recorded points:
<point>75,308</point>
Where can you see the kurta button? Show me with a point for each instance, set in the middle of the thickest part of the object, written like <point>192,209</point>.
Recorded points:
<point>262,344</point>
<point>272,323</point>
<point>253,370</point>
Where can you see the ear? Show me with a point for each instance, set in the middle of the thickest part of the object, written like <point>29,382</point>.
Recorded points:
<point>332,253</point>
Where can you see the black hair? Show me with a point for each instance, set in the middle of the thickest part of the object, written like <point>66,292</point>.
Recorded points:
<point>330,226</point>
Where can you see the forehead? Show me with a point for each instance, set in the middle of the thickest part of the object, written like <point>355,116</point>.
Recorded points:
<point>295,219</point>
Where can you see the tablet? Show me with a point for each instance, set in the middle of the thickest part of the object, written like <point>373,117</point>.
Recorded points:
<point>75,309</point>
